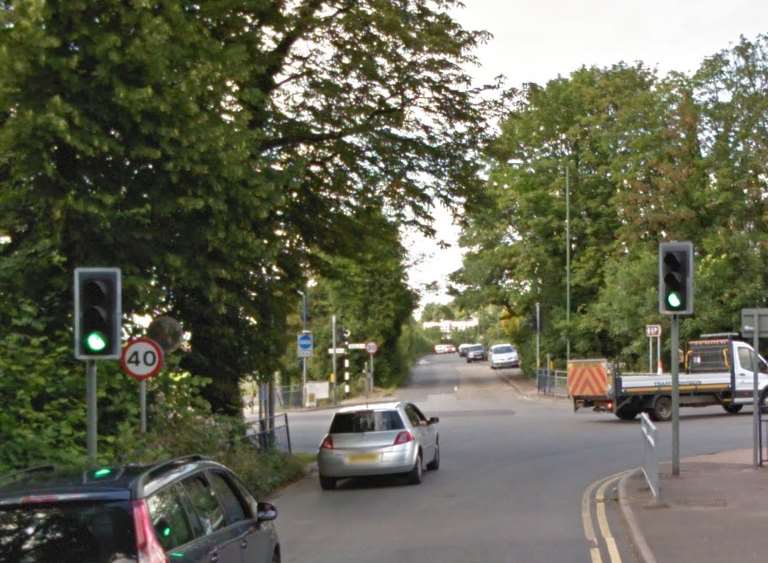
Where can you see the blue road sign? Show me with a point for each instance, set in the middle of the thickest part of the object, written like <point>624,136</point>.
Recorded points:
<point>305,344</point>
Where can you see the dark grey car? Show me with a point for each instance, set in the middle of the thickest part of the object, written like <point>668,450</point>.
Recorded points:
<point>186,509</point>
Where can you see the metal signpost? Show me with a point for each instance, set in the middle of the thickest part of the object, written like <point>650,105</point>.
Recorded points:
<point>538,334</point>
<point>371,348</point>
<point>754,322</point>
<point>653,331</point>
<point>304,347</point>
<point>142,359</point>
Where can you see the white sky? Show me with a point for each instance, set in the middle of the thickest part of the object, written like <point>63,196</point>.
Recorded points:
<point>535,41</point>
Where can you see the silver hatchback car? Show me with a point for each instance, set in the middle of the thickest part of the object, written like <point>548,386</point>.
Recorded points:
<point>380,439</point>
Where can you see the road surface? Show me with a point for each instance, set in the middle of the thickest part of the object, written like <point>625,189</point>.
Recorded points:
<point>510,488</point>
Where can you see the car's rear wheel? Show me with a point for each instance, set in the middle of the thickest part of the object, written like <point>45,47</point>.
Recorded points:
<point>733,409</point>
<point>434,465</point>
<point>327,483</point>
<point>417,473</point>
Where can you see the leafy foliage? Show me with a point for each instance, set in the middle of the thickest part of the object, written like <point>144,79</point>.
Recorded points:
<point>220,153</point>
<point>649,159</point>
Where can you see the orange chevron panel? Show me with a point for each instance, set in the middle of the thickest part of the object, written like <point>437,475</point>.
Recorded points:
<point>587,379</point>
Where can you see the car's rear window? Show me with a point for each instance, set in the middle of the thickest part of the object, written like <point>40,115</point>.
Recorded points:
<point>366,421</point>
<point>503,350</point>
<point>93,532</point>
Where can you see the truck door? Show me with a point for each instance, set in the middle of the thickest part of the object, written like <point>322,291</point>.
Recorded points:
<point>745,368</point>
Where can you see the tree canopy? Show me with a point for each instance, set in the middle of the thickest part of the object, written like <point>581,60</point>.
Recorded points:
<point>221,153</point>
<point>649,158</point>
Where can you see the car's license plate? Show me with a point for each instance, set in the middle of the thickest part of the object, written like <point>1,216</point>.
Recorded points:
<point>363,458</point>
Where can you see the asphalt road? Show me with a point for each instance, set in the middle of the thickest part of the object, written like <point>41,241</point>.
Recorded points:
<point>513,472</point>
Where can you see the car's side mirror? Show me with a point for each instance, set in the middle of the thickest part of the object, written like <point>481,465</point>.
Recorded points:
<point>266,512</point>
<point>433,420</point>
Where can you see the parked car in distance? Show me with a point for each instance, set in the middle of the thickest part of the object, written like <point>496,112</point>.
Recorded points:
<point>476,353</point>
<point>382,439</point>
<point>186,509</point>
<point>463,349</point>
<point>504,356</point>
<point>444,348</point>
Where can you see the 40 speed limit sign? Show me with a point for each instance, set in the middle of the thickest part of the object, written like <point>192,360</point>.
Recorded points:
<point>142,358</point>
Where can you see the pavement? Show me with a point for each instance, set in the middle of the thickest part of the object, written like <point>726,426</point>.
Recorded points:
<point>523,479</point>
<point>715,511</point>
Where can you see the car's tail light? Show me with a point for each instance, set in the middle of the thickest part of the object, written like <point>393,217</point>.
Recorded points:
<point>327,443</point>
<point>403,438</point>
<point>148,547</point>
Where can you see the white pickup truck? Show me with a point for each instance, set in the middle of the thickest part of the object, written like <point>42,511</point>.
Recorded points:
<point>716,371</point>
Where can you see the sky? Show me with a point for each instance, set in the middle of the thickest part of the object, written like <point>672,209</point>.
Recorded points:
<point>538,40</point>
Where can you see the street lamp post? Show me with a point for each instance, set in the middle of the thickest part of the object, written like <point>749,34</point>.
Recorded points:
<point>567,265</point>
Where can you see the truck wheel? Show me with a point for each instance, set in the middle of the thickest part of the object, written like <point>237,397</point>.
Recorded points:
<point>662,409</point>
<point>627,413</point>
<point>733,409</point>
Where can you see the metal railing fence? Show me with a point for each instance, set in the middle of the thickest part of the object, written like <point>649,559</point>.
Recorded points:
<point>552,382</point>
<point>650,459</point>
<point>271,433</point>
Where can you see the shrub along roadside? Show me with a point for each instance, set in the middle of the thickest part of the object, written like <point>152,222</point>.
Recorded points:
<point>218,437</point>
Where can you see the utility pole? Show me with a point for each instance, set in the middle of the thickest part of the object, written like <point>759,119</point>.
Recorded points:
<point>567,264</point>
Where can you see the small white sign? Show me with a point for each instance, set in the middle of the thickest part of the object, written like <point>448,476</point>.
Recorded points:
<point>319,389</point>
<point>653,331</point>
<point>337,350</point>
<point>357,346</point>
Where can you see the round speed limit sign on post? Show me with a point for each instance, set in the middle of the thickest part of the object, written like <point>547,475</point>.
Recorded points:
<point>371,348</point>
<point>142,358</point>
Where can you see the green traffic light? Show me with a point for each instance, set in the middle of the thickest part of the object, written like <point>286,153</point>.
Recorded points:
<point>96,341</point>
<point>673,300</point>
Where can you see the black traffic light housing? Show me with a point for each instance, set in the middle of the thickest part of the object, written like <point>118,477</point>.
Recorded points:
<point>98,313</point>
<point>676,278</point>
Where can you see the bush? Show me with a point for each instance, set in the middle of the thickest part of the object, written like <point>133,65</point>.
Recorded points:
<point>197,431</point>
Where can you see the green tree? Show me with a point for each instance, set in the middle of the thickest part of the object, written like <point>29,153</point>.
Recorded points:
<point>216,151</point>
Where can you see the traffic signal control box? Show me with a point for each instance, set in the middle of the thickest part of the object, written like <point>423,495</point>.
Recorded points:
<point>98,313</point>
<point>676,278</point>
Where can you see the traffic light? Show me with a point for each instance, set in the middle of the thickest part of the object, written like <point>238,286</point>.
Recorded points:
<point>676,278</point>
<point>98,313</point>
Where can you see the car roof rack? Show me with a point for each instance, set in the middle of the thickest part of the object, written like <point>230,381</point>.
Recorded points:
<point>720,335</point>
<point>15,475</point>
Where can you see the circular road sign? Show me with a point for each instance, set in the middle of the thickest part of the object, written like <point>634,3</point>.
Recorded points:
<point>371,348</point>
<point>142,358</point>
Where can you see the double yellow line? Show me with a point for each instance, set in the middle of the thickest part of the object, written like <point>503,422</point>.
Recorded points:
<point>602,520</point>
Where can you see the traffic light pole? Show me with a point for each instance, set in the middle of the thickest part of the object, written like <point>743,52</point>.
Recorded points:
<point>675,396</point>
<point>92,418</point>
